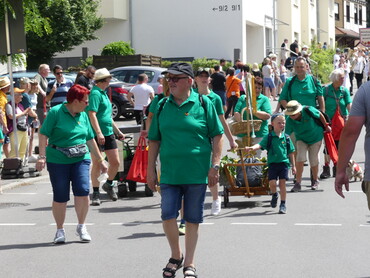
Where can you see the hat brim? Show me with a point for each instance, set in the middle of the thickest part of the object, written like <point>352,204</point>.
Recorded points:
<point>173,72</point>
<point>5,86</point>
<point>102,77</point>
<point>290,113</point>
<point>18,91</point>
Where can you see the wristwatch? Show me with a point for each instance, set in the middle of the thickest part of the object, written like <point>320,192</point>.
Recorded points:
<point>216,167</point>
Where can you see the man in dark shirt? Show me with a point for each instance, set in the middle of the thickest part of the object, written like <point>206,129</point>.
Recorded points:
<point>218,80</point>
<point>86,78</point>
<point>294,47</point>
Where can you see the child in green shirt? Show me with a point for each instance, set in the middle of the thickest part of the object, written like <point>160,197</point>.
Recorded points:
<point>279,157</point>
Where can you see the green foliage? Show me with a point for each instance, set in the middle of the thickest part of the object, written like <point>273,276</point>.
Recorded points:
<point>71,23</point>
<point>198,63</point>
<point>324,59</point>
<point>118,48</point>
<point>84,64</point>
<point>17,59</point>
<point>33,20</point>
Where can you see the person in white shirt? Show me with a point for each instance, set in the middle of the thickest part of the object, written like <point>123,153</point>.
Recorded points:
<point>142,94</point>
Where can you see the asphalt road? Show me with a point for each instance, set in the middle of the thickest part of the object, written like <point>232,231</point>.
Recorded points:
<point>321,235</point>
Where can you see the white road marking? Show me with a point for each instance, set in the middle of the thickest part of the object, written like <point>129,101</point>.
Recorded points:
<point>19,193</point>
<point>262,224</point>
<point>353,191</point>
<point>116,224</point>
<point>203,224</point>
<point>364,225</point>
<point>17,224</point>
<point>72,224</point>
<point>317,224</point>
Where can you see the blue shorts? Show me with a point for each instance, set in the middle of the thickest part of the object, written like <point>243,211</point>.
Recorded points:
<point>6,139</point>
<point>61,176</point>
<point>193,194</point>
<point>268,82</point>
<point>278,170</point>
<point>283,78</point>
<point>222,95</point>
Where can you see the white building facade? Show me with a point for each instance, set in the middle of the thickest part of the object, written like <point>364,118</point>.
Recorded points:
<point>245,29</point>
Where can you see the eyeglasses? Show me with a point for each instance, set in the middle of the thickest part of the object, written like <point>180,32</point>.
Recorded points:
<point>59,73</point>
<point>175,79</point>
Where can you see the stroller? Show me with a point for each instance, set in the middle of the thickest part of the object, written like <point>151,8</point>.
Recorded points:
<point>124,185</point>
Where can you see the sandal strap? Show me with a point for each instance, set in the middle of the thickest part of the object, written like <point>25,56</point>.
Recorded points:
<point>192,269</point>
<point>176,262</point>
<point>170,270</point>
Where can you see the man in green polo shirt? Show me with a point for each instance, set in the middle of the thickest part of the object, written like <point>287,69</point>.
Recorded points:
<point>187,134</point>
<point>309,136</point>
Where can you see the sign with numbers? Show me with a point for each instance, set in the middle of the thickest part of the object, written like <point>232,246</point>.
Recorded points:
<point>227,8</point>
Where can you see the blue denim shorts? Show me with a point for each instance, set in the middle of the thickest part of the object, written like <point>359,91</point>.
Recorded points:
<point>268,83</point>
<point>193,195</point>
<point>222,95</point>
<point>61,176</point>
<point>278,170</point>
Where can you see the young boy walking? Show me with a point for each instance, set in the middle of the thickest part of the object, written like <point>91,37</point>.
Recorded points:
<point>279,158</point>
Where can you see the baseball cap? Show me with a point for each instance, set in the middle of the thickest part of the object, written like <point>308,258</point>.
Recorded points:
<point>180,68</point>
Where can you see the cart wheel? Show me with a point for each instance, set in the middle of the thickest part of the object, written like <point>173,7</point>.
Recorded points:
<point>122,190</point>
<point>132,186</point>
<point>226,196</point>
<point>148,191</point>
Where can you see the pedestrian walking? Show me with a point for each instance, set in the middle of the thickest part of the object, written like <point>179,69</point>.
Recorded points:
<point>187,134</point>
<point>66,138</point>
<point>280,158</point>
<point>105,130</point>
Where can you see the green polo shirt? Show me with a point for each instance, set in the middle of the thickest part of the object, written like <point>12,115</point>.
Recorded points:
<point>64,130</point>
<point>304,91</point>
<point>153,104</point>
<point>278,152</point>
<point>99,103</point>
<point>330,96</point>
<point>216,101</point>
<point>184,133</point>
<point>306,129</point>
<point>263,104</point>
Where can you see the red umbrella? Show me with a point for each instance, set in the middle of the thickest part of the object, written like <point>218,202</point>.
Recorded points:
<point>331,147</point>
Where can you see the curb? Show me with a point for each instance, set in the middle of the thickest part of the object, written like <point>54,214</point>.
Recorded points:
<point>22,182</point>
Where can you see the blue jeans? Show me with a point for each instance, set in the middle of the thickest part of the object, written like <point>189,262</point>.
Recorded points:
<point>193,194</point>
<point>61,176</point>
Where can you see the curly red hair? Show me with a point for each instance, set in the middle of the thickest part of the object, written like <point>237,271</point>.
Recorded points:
<point>77,92</point>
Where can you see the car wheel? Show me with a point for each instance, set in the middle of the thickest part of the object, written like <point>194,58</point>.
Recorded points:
<point>116,110</point>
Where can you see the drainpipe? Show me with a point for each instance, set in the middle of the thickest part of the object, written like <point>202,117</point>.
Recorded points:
<point>318,21</point>
<point>274,25</point>
<point>130,23</point>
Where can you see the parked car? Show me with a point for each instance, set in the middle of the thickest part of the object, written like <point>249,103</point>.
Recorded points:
<point>118,91</point>
<point>129,75</point>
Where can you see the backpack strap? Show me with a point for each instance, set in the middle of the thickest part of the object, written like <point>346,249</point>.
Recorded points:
<point>269,142</point>
<point>290,87</point>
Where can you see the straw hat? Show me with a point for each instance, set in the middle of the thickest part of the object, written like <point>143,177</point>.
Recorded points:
<point>24,80</point>
<point>101,74</point>
<point>4,82</point>
<point>255,67</point>
<point>293,107</point>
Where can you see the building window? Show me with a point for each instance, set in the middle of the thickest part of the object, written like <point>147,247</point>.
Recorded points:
<point>356,15</point>
<point>336,11</point>
<point>348,13</point>
<point>360,15</point>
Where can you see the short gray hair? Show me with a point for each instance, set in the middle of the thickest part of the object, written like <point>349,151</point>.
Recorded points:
<point>335,74</point>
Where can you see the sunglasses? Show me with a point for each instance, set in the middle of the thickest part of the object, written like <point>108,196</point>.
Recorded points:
<point>175,79</point>
<point>59,73</point>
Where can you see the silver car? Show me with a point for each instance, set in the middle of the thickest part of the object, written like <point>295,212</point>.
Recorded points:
<point>129,75</point>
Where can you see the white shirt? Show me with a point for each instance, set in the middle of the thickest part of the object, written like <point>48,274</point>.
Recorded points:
<point>142,93</point>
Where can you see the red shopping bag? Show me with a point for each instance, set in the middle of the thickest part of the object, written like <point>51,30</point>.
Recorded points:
<point>337,124</point>
<point>331,147</point>
<point>138,168</point>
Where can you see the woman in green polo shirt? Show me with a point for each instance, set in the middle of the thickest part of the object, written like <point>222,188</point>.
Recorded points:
<point>335,94</point>
<point>66,132</point>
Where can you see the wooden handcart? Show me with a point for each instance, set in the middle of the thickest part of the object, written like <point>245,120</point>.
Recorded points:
<point>248,127</point>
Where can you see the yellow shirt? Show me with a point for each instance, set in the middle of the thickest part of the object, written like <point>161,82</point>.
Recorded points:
<point>3,102</point>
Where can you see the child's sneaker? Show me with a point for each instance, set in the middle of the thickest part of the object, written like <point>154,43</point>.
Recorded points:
<point>282,209</point>
<point>274,200</point>
<point>216,207</point>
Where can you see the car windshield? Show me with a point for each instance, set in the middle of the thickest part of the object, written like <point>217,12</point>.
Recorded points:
<point>130,76</point>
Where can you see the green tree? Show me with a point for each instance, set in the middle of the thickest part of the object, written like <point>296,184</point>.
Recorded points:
<point>71,23</point>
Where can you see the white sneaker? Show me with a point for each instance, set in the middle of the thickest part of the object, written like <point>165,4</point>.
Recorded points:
<point>60,236</point>
<point>216,207</point>
<point>81,231</point>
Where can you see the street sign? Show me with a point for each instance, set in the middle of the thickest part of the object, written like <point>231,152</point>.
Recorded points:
<point>365,36</point>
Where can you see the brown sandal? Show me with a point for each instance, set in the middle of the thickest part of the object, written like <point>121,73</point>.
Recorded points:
<point>172,271</point>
